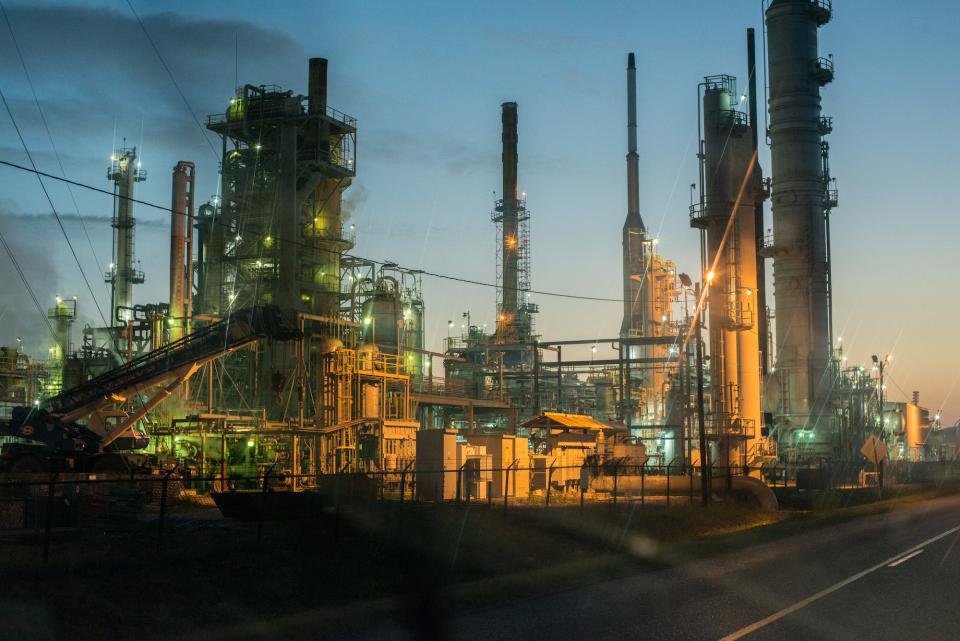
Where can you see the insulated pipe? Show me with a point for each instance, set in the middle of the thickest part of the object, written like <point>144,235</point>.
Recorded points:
<point>761,300</point>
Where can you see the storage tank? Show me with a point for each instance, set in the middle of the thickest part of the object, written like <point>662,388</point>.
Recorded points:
<point>915,432</point>
<point>381,315</point>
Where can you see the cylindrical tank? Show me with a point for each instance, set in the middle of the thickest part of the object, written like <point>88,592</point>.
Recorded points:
<point>914,429</point>
<point>382,316</point>
<point>603,391</point>
<point>371,401</point>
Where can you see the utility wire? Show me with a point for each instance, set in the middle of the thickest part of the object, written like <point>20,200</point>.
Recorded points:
<point>53,145</point>
<point>458,279</point>
<point>173,80</point>
<point>56,215</point>
<point>26,283</point>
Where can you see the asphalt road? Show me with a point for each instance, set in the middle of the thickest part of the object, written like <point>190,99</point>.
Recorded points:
<point>888,576</point>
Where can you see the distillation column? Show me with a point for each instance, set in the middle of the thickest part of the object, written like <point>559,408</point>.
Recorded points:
<point>124,171</point>
<point>731,188</point>
<point>181,249</point>
<point>800,384</point>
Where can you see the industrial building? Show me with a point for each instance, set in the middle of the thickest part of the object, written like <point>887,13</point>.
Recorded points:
<point>278,350</point>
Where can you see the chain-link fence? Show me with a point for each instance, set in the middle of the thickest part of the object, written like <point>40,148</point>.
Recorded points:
<point>36,505</point>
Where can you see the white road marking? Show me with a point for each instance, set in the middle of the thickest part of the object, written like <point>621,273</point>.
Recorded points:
<point>905,558</point>
<point>799,605</point>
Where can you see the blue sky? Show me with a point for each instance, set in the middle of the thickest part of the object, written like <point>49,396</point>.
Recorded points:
<point>425,80</point>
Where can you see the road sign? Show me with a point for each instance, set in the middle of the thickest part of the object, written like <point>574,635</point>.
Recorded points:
<point>874,450</point>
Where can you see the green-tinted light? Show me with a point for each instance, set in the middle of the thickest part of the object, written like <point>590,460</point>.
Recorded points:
<point>251,443</point>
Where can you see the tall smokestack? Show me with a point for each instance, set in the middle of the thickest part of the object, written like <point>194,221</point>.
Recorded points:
<point>181,248</point>
<point>633,172</point>
<point>511,221</point>
<point>636,294</point>
<point>317,85</point>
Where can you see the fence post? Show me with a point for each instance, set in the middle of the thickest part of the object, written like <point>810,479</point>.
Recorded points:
<point>668,484</point>
<point>459,483</point>
<point>263,503</point>
<point>690,472</point>
<point>163,508</point>
<point>49,515</point>
<point>403,484</point>
<point>643,483</point>
<point>506,486</point>
<point>549,484</point>
<point>616,472</point>
<point>583,486</point>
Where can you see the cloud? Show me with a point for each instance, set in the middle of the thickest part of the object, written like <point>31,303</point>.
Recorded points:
<point>93,67</point>
<point>87,219</point>
<point>399,146</point>
<point>20,317</point>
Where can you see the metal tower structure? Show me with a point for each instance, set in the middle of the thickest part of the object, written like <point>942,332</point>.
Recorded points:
<point>124,171</point>
<point>802,196</point>
<point>277,235</point>
<point>514,309</point>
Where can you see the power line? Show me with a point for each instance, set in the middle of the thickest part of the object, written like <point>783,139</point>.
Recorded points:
<point>26,283</point>
<point>173,80</point>
<point>52,207</point>
<point>457,279</point>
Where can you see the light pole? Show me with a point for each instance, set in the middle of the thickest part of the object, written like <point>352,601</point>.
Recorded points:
<point>881,364</point>
<point>701,419</point>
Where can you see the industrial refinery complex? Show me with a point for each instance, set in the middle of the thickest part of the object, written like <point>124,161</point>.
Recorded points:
<point>280,352</point>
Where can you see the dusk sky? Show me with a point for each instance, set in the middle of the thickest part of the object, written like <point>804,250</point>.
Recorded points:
<point>425,81</point>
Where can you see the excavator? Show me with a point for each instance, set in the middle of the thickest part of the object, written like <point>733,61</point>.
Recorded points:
<point>93,427</point>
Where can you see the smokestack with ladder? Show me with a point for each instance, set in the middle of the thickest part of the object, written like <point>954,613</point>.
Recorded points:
<point>635,286</point>
<point>508,211</point>
<point>643,315</point>
<point>124,171</point>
